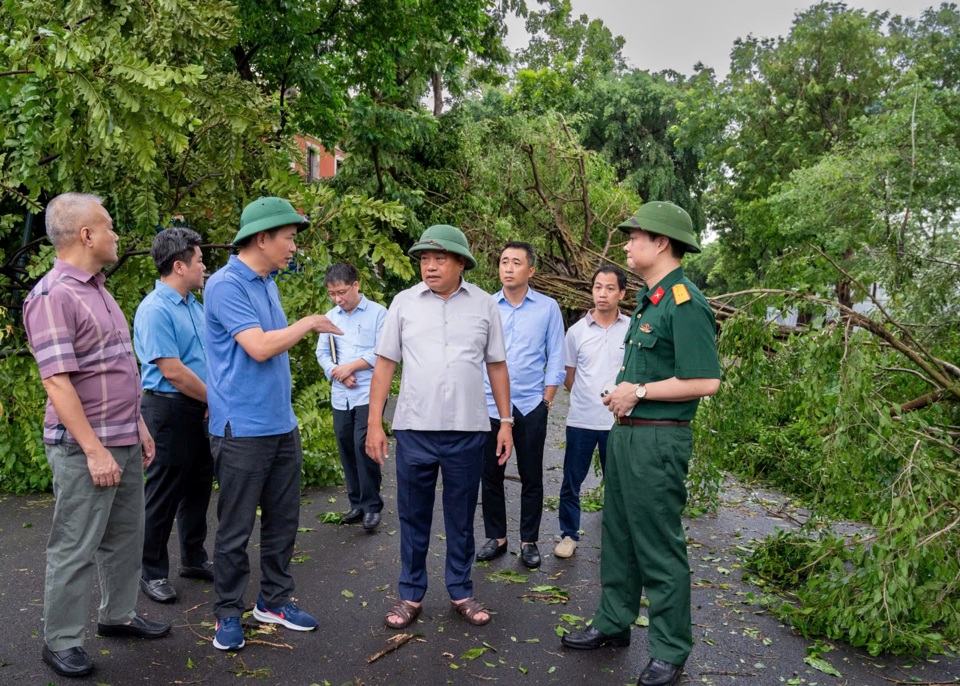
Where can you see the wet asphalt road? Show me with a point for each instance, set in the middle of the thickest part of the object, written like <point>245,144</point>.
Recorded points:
<point>347,578</point>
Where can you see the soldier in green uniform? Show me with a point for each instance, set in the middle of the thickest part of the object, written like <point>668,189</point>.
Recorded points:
<point>669,363</point>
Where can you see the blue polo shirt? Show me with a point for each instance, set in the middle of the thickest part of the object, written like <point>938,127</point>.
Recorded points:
<point>254,397</point>
<point>168,325</point>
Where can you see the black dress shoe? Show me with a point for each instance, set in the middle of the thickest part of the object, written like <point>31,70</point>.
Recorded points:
<point>137,628</point>
<point>660,673</point>
<point>491,549</point>
<point>203,572</point>
<point>371,521</point>
<point>530,555</point>
<point>158,590</point>
<point>68,662</point>
<point>353,516</point>
<point>590,639</point>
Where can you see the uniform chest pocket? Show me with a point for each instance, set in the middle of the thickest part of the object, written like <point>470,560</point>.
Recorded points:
<point>646,341</point>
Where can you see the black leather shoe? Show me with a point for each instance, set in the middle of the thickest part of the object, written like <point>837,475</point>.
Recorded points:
<point>660,673</point>
<point>68,662</point>
<point>492,549</point>
<point>530,555</point>
<point>353,516</point>
<point>590,639</point>
<point>371,521</point>
<point>137,628</point>
<point>203,572</point>
<point>158,590</point>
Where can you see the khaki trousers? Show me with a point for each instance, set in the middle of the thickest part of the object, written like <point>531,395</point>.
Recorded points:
<point>92,526</point>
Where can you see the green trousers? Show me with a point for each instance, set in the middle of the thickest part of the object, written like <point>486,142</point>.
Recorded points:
<point>92,526</point>
<point>643,546</point>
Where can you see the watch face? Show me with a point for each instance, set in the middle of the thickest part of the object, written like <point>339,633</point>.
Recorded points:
<point>641,391</point>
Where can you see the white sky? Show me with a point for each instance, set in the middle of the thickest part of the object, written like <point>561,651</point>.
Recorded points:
<point>676,35</point>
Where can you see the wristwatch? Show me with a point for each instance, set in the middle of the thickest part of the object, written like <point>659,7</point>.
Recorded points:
<point>641,391</point>
<point>507,420</point>
<point>548,403</point>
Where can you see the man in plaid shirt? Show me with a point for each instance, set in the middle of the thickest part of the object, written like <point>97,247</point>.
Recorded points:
<point>94,436</point>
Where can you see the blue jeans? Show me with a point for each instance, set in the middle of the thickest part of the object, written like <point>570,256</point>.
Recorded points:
<point>576,466</point>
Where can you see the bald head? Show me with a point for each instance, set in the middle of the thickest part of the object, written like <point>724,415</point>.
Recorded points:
<point>65,214</point>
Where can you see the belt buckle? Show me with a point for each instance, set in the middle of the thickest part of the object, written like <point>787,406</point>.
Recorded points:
<point>619,420</point>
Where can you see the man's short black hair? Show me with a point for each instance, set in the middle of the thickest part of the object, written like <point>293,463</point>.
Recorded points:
<point>341,273</point>
<point>611,269</point>
<point>526,247</point>
<point>170,245</point>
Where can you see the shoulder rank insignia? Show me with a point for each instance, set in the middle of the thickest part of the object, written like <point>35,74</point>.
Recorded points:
<point>680,294</point>
<point>657,295</point>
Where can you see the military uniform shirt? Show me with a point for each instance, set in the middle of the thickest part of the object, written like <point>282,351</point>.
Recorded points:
<point>668,339</point>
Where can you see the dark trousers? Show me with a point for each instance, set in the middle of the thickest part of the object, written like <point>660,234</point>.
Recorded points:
<point>360,472</point>
<point>576,465</point>
<point>264,472</point>
<point>178,483</point>
<point>529,434</point>
<point>643,546</point>
<point>458,456</point>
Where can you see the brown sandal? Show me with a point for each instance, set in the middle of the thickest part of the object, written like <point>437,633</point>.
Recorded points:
<point>469,609</point>
<point>407,613</point>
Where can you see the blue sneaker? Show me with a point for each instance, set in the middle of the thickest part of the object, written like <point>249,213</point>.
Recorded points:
<point>229,634</point>
<point>289,616</point>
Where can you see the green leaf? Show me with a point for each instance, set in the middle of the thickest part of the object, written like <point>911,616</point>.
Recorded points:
<point>821,665</point>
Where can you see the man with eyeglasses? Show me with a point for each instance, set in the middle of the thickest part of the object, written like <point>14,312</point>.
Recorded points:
<point>347,362</point>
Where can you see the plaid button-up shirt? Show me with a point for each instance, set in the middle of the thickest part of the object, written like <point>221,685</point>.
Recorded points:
<point>75,327</point>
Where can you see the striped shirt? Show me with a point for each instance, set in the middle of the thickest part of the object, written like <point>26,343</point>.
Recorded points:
<point>75,327</point>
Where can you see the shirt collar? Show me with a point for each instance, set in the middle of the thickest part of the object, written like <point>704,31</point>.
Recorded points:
<point>75,272</point>
<point>170,293</point>
<point>665,283</point>
<point>361,306</point>
<point>621,317</point>
<point>530,295</point>
<point>245,272</point>
<point>422,288</point>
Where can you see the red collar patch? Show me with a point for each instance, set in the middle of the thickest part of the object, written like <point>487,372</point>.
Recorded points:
<point>657,295</point>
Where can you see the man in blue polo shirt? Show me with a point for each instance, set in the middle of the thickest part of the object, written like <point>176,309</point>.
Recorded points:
<point>168,337</point>
<point>348,361</point>
<point>253,431</point>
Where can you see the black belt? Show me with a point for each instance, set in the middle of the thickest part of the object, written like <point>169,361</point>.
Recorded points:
<point>631,421</point>
<point>175,396</point>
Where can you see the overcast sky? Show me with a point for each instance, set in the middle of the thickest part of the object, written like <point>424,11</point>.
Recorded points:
<point>676,35</point>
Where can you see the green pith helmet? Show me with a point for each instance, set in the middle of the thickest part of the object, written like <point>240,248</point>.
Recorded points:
<point>264,214</point>
<point>666,219</point>
<point>447,238</point>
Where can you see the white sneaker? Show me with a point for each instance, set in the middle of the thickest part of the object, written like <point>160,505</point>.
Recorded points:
<point>565,548</point>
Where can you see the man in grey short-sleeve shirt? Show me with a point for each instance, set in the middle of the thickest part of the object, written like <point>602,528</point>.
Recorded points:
<point>444,330</point>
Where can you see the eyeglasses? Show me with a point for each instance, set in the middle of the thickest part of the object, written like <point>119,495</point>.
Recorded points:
<point>342,293</point>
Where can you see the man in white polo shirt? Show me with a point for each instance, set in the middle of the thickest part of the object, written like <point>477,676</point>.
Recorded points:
<point>593,349</point>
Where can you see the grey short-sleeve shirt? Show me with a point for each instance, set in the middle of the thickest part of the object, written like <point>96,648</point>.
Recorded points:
<point>443,344</point>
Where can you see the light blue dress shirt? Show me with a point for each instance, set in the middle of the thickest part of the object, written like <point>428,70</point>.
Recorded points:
<point>533,333</point>
<point>168,325</point>
<point>361,329</point>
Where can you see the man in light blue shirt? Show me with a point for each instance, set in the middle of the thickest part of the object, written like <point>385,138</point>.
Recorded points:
<point>533,332</point>
<point>168,332</point>
<point>348,362</point>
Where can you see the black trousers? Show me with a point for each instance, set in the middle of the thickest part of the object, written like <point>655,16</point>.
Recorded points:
<point>178,483</point>
<point>529,435</point>
<point>264,472</point>
<point>360,472</point>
